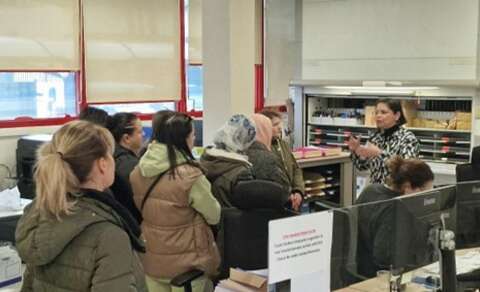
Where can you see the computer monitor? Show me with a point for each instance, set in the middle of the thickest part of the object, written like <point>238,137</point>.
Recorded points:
<point>416,217</point>
<point>468,214</point>
<point>26,156</point>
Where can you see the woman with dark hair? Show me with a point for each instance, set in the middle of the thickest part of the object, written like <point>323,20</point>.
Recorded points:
<point>407,176</point>
<point>389,140</point>
<point>265,164</point>
<point>95,115</point>
<point>127,131</point>
<point>177,205</point>
<point>289,163</point>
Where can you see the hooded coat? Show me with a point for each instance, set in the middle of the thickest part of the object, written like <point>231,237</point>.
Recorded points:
<point>88,250</point>
<point>224,170</point>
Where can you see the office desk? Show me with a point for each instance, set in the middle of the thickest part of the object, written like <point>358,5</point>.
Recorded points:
<point>373,284</point>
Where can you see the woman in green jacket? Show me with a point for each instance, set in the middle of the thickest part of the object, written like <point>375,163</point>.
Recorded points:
<point>283,151</point>
<point>75,236</point>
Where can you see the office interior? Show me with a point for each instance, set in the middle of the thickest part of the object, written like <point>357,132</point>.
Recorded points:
<point>321,63</point>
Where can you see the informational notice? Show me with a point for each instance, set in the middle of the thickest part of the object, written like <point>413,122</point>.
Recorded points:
<point>300,245</point>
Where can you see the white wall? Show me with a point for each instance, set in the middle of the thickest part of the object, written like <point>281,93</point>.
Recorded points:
<point>390,40</point>
<point>283,26</point>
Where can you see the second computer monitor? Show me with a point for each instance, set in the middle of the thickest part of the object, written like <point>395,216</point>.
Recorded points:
<point>416,218</point>
<point>468,214</point>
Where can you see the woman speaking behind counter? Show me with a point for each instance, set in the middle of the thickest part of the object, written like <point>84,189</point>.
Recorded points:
<point>389,139</point>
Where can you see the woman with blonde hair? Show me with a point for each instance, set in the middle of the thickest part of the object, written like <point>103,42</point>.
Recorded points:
<point>75,236</point>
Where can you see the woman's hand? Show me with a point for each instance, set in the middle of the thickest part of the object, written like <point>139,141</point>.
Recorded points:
<point>296,200</point>
<point>353,143</point>
<point>368,151</point>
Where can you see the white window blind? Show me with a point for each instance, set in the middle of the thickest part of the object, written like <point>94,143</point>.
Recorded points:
<point>132,50</point>
<point>39,34</point>
<point>194,32</point>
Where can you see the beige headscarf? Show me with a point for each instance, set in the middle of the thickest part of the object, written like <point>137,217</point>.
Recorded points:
<point>264,127</point>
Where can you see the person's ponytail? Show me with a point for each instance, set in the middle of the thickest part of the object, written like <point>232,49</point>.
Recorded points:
<point>54,180</point>
<point>66,162</point>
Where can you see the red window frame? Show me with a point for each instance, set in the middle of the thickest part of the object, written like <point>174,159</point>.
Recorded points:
<point>22,121</point>
<point>80,82</point>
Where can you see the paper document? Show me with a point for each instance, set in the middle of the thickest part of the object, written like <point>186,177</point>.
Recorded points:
<point>10,199</point>
<point>464,263</point>
<point>299,246</point>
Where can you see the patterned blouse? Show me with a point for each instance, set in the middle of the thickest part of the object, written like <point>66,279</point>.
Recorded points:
<point>394,141</point>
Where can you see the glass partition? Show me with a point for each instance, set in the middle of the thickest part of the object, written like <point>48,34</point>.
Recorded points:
<point>399,235</point>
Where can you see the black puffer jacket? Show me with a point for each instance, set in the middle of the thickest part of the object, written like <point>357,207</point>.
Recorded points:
<point>125,162</point>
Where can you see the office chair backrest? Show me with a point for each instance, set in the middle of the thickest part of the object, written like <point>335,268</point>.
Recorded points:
<point>244,238</point>
<point>343,261</point>
<point>467,172</point>
<point>470,171</point>
<point>259,194</point>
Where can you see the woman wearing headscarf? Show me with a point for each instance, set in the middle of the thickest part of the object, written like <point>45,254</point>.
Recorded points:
<point>265,164</point>
<point>227,162</point>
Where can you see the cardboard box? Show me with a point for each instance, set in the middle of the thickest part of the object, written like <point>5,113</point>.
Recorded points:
<point>370,116</point>
<point>241,281</point>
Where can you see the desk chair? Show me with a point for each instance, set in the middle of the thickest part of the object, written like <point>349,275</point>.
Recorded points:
<point>185,280</point>
<point>243,234</point>
<point>244,238</point>
<point>343,263</point>
<point>469,171</point>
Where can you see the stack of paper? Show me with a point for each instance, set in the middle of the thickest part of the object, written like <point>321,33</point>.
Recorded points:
<point>241,281</point>
<point>10,199</point>
<point>464,263</point>
<point>312,152</point>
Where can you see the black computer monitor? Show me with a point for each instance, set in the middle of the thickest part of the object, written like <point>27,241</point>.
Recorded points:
<point>468,214</point>
<point>416,217</point>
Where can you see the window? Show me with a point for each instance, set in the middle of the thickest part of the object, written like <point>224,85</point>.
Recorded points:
<point>144,108</point>
<point>37,95</point>
<point>195,88</point>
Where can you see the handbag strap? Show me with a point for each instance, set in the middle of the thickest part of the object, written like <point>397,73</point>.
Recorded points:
<point>149,191</point>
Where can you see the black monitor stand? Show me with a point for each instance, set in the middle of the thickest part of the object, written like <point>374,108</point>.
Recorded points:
<point>446,247</point>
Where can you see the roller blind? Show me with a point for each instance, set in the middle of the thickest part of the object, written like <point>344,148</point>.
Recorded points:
<point>132,50</point>
<point>39,34</point>
<point>194,31</point>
